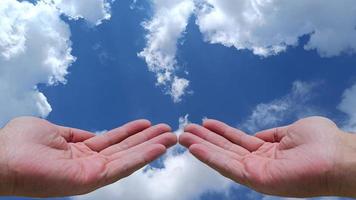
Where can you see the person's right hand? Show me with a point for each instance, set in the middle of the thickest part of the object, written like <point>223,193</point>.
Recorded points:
<point>311,157</point>
<point>41,159</point>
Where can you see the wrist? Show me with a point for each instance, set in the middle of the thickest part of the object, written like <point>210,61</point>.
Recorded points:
<point>343,180</point>
<point>6,180</point>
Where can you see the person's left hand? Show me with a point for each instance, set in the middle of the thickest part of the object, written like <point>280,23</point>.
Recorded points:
<point>304,159</point>
<point>41,159</point>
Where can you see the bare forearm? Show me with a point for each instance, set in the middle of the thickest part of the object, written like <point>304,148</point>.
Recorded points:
<point>6,180</point>
<point>345,168</point>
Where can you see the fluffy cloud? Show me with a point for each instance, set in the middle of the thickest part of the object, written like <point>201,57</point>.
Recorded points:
<point>348,106</point>
<point>182,177</point>
<point>94,11</point>
<point>164,30</point>
<point>269,27</point>
<point>35,48</point>
<point>264,27</point>
<point>24,62</point>
<point>293,105</point>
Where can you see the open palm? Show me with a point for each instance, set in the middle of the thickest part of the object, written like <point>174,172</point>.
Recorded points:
<point>295,160</point>
<point>43,159</point>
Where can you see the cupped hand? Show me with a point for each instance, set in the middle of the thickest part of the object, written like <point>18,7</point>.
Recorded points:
<point>298,160</point>
<point>41,159</point>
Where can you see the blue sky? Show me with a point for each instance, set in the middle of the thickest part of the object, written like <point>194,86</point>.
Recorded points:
<point>109,84</point>
<point>227,84</point>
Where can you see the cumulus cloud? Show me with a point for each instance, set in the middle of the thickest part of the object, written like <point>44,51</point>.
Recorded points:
<point>24,63</point>
<point>348,106</point>
<point>35,48</point>
<point>94,11</point>
<point>166,27</point>
<point>178,88</point>
<point>182,177</point>
<point>269,27</point>
<point>264,27</point>
<point>291,106</point>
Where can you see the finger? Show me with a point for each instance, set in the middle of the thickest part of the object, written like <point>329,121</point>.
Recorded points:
<point>214,138</point>
<point>136,139</point>
<point>117,135</point>
<point>131,162</point>
<point>167,139</point>
<point>188,139</point>
<point>219,159</point>
<point>273,134</point>
<point>236,136</point>
<point>74,135</point>
<point>227,166</point>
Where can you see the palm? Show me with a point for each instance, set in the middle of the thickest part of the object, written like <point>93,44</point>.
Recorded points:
<point>57,161</point>
<point>289,161</point>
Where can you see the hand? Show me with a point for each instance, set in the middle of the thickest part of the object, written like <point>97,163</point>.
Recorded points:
<point>305,159</point>
<point>40,159</point>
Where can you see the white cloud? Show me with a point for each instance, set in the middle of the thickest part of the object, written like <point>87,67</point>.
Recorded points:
<point>292,105</point>
<point>94,11</point>
<point>266,27</point>
<point>183,122</point>
<point>348,106</point>
<point>164,30</point>
<point>178,88</point>
<point>35,48</point>
<point>182,177</point>
<point>269,27</point>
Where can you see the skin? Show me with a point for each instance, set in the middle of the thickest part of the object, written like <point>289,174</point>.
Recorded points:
<point>311,157</point>
<point>41,159</point>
